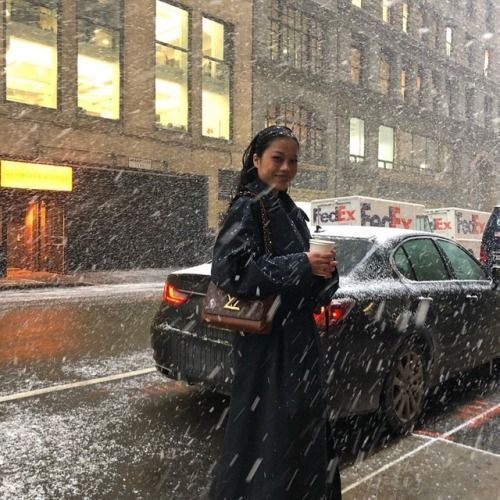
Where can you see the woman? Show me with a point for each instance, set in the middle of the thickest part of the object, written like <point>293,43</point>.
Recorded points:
<point>276,439</point>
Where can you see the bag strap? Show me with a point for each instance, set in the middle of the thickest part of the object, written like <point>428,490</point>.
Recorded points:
<point>268,244</point>
<point>266,233</point>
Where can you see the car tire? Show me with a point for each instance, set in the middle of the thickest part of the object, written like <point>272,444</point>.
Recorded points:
<point>405,388</point>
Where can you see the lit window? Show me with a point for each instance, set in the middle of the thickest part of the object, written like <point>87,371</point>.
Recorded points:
<point>216,81</point>
<point>487,62</point>
<point>402,83</point>
<point>356,65</point>
<point>99,33</point>
<point>356,3</point>
<point>449,40</point>
<point>386,11</point>
<point>385,147</point>
<point>171,104</point>
<point>31,58</point>
<point>384,75</point>
<point>356,140</point>
<point>405,19</point>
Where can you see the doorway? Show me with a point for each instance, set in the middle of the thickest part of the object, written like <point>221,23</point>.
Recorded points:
<point>35,235</point>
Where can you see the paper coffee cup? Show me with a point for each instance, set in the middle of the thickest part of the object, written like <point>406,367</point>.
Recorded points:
<point>321,246</point>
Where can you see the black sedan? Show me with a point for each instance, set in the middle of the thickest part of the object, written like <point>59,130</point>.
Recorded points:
<point>413,309</point>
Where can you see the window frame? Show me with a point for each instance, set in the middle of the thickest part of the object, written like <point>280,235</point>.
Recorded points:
<point>229,50</point>
<point>3,97</point>
<point>401,276</point>
<point>121,62</point>
<point>189,67</point>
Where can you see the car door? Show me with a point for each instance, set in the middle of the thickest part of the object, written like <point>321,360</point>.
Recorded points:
<point>436,300</point>
<point>480,302</point>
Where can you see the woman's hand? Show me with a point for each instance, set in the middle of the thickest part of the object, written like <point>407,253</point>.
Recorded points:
<point>322,264</point>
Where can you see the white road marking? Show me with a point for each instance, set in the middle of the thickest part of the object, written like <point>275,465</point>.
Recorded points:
<point>83,383</point>
<point>419,448</point>
<point>461,445</point>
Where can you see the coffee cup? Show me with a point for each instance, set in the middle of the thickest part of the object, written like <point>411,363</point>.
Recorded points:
<point>321,246</point>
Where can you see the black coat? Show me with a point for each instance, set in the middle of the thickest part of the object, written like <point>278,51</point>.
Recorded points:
<point>275,444</point>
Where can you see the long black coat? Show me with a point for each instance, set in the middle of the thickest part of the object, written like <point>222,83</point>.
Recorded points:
<point>275,444</point>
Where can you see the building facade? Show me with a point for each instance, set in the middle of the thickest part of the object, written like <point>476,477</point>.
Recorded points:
<point>397,100</point>
<point>123,122</point>
<point>116,119</point>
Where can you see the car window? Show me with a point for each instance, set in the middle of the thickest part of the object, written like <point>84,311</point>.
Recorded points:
<point>464,267</point>
<point>426,260</point>
<point>403,264</point>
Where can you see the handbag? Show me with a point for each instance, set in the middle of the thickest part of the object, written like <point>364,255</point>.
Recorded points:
<point>223,310</point>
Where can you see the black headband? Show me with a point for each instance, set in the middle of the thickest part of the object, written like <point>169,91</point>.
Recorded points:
<point>275,131</point>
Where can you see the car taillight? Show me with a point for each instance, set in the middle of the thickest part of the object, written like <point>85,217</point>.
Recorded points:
<point>333,313</point>
<point>173,296</point>
<point>483,255</point>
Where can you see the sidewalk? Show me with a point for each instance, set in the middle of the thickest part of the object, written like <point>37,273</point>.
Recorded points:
<point>22,279</point>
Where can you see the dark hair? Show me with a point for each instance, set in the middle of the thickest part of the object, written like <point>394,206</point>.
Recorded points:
<point>257,146</point>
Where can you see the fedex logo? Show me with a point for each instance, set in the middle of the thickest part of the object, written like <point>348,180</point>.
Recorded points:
<point>393,219</point>
<point>341,213</point>
<point>438,224</point>
<point>473,226</point>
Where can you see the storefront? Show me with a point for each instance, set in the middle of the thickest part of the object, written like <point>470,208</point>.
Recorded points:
<point>32,216</point>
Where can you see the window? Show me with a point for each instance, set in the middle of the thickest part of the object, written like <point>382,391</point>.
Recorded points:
<point>488,110</point>
<point>305,126</point>
<point>469,49</point>
<point>171,86</point>
<point>295,37</point>
<point>405,19</point>
<point>384,74</point>
<point>415,152</point>
<point>419,84</point>
<point>356,65</point>
<point>449,88</point>
<point>385,147</point>
<point>402,83</point>
<point>31,58</point>
<point>487,62</point>
<point>356,140</point>
<point>356,3</point>
<point>490,16</point>
<point>386,11</point>
<point>425,260</point>
<point>216,81</point>
<point>471,11</point>
<point>403,264</point>
<point>99,42</point>
<point>463,265</point>
<point>449,41</point>
<point>469,103</point>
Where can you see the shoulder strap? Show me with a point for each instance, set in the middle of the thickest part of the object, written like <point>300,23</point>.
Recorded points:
<point>266,233</point>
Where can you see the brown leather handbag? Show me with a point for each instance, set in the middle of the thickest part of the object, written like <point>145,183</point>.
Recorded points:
<point>222,310</point>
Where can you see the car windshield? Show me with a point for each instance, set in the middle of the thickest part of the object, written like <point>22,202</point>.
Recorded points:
<point>350,252</point>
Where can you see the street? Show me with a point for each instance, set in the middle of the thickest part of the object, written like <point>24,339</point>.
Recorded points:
<point>84,414</point>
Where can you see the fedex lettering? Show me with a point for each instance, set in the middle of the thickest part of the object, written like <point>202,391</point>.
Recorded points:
<point>393,219</point>
<point>473,226</point>
<point>342,213</point>
<point>438,224</point>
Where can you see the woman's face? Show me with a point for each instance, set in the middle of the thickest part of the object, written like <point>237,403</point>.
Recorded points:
<point>278,164</point>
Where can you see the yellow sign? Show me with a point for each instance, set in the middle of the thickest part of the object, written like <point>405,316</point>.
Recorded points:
<point>21,175</point>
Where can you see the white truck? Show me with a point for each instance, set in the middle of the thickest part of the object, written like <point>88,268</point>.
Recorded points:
<point>365,211</point>
<point>463,225</point>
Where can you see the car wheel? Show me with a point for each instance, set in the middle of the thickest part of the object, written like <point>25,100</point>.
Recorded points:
<point>405,389</point>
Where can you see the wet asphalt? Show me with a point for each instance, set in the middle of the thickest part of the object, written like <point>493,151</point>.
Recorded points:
<point>132,433</point>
